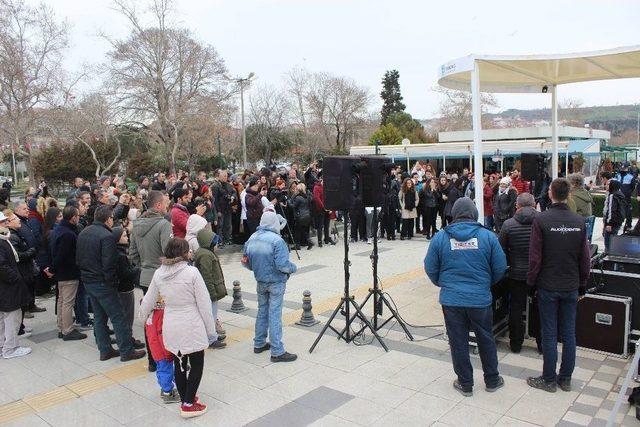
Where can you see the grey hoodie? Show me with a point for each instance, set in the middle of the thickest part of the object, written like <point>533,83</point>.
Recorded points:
<point>150,235</point>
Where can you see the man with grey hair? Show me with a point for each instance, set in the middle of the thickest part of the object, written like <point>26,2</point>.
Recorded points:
<point>514,239</point>
<point>581,197</point>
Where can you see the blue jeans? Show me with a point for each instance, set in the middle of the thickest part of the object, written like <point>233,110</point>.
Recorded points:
<point>81,307</point>
<point>459,321</point>
<point>558,315</point>
<point>106,305</point>
<point>607,236</point>
<point>269,319</point>
<point>214,310</point>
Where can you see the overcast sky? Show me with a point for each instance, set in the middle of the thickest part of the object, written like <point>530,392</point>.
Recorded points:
<point>363,38</point>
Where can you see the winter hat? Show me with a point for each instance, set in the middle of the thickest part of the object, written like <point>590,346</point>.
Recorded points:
<point>464,210</point>
<point>116,232</point>
<point>270,220</point>
<point>195,223</point>
<point>505,180</point>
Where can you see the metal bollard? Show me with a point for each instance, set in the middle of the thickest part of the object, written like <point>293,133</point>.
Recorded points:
<point>238,305</point>
<point>307,318</point>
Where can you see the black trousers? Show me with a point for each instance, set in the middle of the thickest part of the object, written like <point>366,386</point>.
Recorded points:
<point>407,227</point>
<point>322,225</point>
<point>188,373</point>
<point>443,217</point>
<point>517,305</point>
<point>390,220</point>
<point>358,227</point>
<point>429,220</point>
<point>418,222</point>
<point>302,233</point>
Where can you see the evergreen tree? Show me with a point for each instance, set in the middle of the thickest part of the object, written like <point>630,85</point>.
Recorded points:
<point>391,95</point>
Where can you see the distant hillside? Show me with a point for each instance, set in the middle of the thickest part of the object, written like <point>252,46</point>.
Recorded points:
<point>620,120</point>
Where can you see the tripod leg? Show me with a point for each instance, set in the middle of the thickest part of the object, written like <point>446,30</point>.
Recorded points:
<point>395,314</point>
<point>326,326</point>
<point>368,324</point>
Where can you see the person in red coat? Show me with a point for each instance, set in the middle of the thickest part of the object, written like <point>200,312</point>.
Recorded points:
<point>321,215</point>
<point>162,357</point>
<point>179,212</point>
<point>518,183</point>
<point>488,201</point>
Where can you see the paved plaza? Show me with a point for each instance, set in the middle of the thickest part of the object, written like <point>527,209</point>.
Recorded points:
<point>64,383</point>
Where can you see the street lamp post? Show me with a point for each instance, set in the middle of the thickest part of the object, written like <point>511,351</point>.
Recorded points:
<point>242,81</point>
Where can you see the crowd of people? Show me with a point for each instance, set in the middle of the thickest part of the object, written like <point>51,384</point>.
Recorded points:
<point>160,234</point>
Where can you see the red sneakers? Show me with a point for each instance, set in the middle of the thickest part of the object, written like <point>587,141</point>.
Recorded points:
<point>195,410</point>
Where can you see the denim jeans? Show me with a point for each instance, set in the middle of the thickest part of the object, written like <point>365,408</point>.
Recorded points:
<point>214,310</point>
<point>607,236</point>
<point>106,305</point>
<point>269,319</point>
<point>558,315</point>
<point>459,321</point>
<point>81,307</point>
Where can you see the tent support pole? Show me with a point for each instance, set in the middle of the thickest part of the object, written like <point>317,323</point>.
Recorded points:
<point>554,131</point>
<point>477,137</point>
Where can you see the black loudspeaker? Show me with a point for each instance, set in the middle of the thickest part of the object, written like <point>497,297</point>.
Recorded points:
<point>529,166</point>
<point>373,180</point>
<point>341,183</point>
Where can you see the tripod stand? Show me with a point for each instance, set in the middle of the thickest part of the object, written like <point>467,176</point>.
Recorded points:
<point>346,303</point>
<point>378,296</point>
<point>293,239</point>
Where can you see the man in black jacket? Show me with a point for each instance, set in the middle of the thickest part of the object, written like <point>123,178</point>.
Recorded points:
<point>514,239</point>
<point>66,273</point>
<point>559,265</point>
<point>96,256</point>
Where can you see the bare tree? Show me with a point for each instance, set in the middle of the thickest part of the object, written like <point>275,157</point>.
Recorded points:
<point>93,123</point>
<point>268,116</point>
<point>297,83</point>
<point>339,105</point>
<point>31,47</point>
<point>455,109</point>
<point>160,72</point>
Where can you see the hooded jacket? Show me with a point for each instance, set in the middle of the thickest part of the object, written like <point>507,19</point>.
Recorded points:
<point>194,225</point>
<point>208,264</point>
<point>188,321</point>
<point>150,235</point>
<point>514,239</point>
<point>583,202</point>
<point>267,255</point>
<point>465,259</point>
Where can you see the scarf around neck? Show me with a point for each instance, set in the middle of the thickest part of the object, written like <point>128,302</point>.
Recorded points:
<point>4,235</point>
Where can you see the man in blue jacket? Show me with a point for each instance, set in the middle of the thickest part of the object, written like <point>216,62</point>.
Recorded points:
<point>267,255</point>
<point>464,260</point>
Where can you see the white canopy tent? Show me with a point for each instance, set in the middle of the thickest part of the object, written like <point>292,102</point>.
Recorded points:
<point>532,74</point>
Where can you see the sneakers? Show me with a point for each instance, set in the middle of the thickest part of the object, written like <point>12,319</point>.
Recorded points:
<point>465,391</point>
<point>258,350</point>
<point>540,383</point>
<point>194,410</point>
<point>110,355</point>
<point>74,335</point>
<point>83,328</point>
<point>18,352</point>
<point>134,355</point>
<point>216,345</point>
<point>284,357</point>
<point>170,397</point>
<point>500,384</point>
<point>565,385</point>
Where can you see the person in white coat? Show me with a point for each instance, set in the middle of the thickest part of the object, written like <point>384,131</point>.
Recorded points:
<point>187,322</point>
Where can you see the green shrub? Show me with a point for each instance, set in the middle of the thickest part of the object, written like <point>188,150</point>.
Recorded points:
<point>598,200</point>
